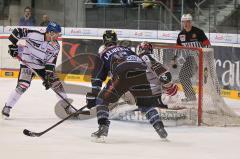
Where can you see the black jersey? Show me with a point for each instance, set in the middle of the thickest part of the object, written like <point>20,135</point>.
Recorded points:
<point>114,56</point>
<point>194,38</point>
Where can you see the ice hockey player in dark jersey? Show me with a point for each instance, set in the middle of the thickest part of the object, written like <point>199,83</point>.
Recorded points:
<point>128,73</point>
<point>194,37</point>
<point>190,36</point>
<point>40,52</point>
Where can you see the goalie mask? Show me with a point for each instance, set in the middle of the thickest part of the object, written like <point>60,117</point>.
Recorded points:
<point>145,48</point>
<point>109,37</point>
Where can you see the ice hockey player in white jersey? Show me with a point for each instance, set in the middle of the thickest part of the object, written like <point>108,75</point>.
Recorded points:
<point>157,73</point>
<point>40,53</point>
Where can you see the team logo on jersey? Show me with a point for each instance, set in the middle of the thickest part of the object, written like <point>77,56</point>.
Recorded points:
<point>194,36</point>
<point>182,37</point>
<point>133,58</point>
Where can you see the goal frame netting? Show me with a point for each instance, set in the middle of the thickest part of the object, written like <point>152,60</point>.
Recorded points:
<point>223,115</point>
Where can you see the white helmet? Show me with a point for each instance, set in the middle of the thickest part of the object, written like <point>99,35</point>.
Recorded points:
<point>186,17</point>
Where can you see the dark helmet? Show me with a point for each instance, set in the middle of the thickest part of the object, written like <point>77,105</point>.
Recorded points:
<point>145,48</point>
<point>53,26</point>
<point>109,37</point>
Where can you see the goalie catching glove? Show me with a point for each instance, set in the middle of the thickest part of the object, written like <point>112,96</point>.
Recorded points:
<point>170,89</point>
<point>13,50</point>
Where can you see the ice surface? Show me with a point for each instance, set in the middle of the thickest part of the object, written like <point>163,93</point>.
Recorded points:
<point>71,140</point>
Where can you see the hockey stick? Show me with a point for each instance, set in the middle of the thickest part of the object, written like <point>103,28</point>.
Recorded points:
<point>80,111</point>
<point>38,134</point>
<point>69,104</point>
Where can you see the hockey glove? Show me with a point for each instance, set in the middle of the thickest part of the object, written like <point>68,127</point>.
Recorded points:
<point>91,100</point>
<point>48,79</point>
<point>13,50</point>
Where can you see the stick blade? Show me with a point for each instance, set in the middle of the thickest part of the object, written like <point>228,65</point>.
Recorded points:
<point>29,133</point>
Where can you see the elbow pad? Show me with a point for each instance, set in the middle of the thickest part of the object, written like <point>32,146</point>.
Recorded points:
<point>17,34</point>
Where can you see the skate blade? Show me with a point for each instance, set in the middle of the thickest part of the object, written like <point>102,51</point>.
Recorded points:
<point>98,139</point>
<point>165,140</point>
<point>4,117</point>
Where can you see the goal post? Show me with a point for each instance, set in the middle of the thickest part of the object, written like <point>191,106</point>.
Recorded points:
<point>199,89</point>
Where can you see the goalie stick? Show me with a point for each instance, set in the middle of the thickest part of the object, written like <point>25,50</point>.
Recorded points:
<point>38,134</point>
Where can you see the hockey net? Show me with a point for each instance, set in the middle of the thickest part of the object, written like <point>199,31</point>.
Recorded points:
<point>196,65</point>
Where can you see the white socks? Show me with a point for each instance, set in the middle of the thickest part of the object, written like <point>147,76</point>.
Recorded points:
<point>13,98</point>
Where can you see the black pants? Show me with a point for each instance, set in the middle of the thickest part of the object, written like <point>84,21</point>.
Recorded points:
<point>133,78</point>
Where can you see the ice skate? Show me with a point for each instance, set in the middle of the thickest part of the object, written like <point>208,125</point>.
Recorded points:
<point>100,135</point>
<point>160,130</point>
<point>6,112</point>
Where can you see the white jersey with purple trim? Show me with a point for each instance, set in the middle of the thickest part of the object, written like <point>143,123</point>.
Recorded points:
<point>37,52</point>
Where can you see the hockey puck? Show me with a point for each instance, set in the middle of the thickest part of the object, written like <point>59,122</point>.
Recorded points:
<point>174,66</point>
